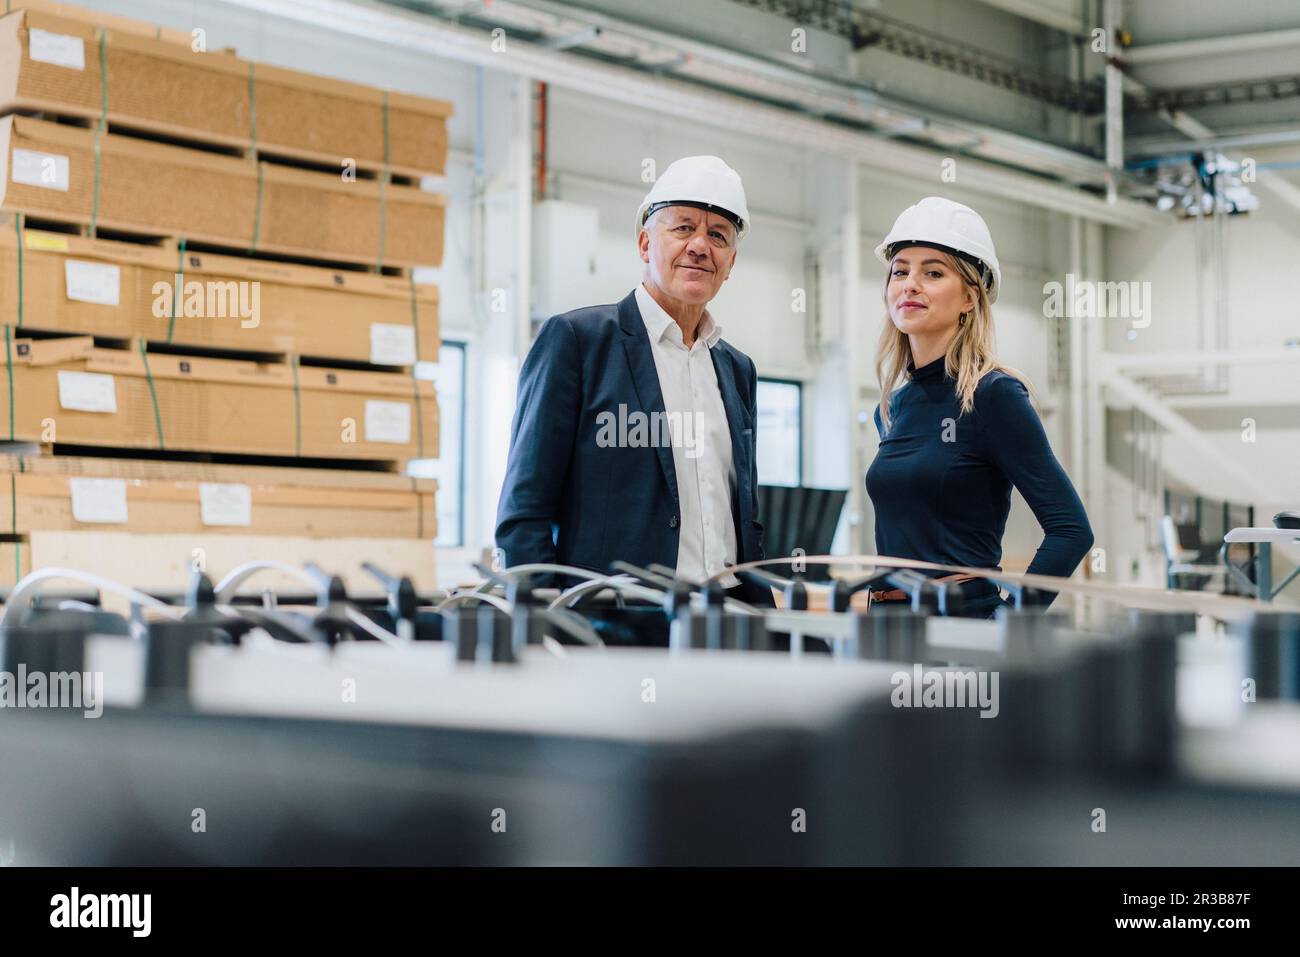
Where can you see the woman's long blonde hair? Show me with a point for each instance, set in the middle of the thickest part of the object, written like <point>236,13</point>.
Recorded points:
<point>971,355</point>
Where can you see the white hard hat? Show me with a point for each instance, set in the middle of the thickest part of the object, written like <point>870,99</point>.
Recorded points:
<point>942,224</point>
<point>704,182</point>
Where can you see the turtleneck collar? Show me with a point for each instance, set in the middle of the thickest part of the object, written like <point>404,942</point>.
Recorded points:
<point>932,370</point>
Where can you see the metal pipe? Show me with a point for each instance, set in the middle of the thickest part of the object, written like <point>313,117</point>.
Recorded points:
<point>541,141</point>
<point>1114,102</point>
<point>855,351</point>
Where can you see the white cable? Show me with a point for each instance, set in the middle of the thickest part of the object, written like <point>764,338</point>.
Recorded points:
<point>574,625</point>
<point>227,587</point>
<point>71,604</point>
<point>494,600</point>
<point>20,599</point>
<point>541,568</point>
<point>554,647</point>
<point>623,583</point>
<point>368,626</point>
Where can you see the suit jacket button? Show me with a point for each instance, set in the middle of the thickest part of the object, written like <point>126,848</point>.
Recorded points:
<point>672,522</point>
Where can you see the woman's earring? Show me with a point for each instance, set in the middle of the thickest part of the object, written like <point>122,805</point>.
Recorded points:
<point>961,320</point>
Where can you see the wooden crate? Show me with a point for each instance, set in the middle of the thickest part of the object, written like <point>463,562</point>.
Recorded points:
<point>66,493</point>
<point>164,87</point>
<point>124,290</point>
<point>156,190</point>
<point>68,391</point>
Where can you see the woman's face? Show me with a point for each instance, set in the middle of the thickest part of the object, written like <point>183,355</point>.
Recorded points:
<point>925,292</point>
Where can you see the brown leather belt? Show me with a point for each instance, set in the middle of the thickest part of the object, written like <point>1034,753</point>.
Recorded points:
<point>897,594</point>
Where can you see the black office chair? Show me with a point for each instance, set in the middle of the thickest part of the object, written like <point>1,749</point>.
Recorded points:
<point>798,517</point>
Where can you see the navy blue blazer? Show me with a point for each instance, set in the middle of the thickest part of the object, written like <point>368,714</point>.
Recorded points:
<point>568,500</point>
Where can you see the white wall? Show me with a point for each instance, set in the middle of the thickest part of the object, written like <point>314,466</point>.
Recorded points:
<point>1263,296</point>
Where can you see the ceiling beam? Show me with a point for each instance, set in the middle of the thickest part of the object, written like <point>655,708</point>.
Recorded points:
<point>1213,46</point>
<point>1044,13</point>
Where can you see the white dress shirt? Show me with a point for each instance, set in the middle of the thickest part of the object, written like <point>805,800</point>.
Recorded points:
<point>706,475</point>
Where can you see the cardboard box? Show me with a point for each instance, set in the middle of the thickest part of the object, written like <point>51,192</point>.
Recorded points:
<point>127,290</point>
<point>164,87</point>
<point>69,492</point>
<point>67,391</point>
<point>49,170</point>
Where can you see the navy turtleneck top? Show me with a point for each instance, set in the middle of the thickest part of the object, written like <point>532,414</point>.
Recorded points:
<point>941,482</point>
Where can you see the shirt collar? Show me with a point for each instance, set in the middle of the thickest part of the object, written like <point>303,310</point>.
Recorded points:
<point>659,324</point>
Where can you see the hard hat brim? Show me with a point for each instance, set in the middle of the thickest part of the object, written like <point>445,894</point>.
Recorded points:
<point>886,252</point>
<point>652,208</point>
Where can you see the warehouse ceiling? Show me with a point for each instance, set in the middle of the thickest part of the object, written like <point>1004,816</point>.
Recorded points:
<point>1011,82</point>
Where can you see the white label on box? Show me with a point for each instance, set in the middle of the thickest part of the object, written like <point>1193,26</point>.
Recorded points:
<point>392,345</point>
<point>99,500</point>
<point>57,48</point>
<point>46,170</point>
<point>223,503</point>
<point>93,282</point>
<point>388,421</point>
<point>87,391</point>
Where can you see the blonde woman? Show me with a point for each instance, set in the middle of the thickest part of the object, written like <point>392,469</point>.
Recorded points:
<point>957,428</point>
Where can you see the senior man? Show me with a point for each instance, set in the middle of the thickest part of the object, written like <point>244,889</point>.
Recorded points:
<point>633,438</point>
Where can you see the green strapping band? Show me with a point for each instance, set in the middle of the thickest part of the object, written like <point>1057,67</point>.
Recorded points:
<point>385,129</point>
<point>257,212</point>
<point>153,394</point>
<point>9,365</point>
<point>297,408</point>
<point>13,488</point>
<point>100,127</point>
<point>180,286</point>
<point>415,383</point>
<point>18,227</point>
<point>8,356</point>
<point>252,153</point>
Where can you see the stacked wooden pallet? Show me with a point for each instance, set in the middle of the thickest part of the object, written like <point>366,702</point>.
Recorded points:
<point>208,265</point>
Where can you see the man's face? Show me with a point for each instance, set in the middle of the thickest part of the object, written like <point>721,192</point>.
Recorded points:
<point>688,252</point>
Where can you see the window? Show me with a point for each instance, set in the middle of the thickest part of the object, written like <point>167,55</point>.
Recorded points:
<point>449,468</point>
<point>780,432</point>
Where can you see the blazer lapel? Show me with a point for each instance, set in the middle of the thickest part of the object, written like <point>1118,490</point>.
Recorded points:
<point>735,414</point>
<point>645,378</point>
